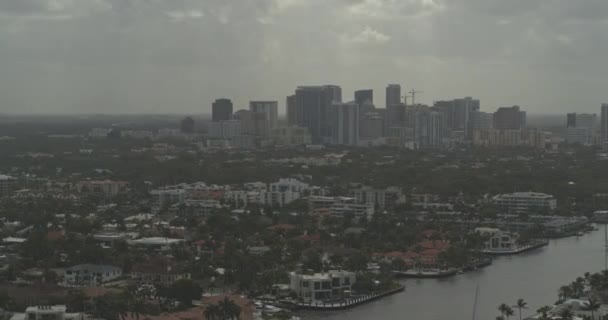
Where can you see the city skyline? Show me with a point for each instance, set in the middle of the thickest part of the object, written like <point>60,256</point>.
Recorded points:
<point>108,56</point>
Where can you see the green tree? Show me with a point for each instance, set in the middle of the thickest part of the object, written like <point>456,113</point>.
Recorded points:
<point>566,314</point>
<point>185,291</point>
<point>544,313</point>
<point>212,312</point>
<point>229,309</point>
<point>521,304</point>
<point>593,305</point>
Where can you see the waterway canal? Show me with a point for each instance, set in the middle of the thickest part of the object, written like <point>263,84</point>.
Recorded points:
<point>534,276</point>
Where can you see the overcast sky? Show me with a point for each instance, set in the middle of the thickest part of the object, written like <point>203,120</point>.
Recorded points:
<point>177,56</point>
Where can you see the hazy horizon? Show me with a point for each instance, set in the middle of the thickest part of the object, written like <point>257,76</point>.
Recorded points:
<point>117,56</point>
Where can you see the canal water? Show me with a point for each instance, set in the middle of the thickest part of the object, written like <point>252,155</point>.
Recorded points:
<point>534,276</point>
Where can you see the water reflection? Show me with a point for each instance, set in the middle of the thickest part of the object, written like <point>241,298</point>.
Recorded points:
<point>534,276</point>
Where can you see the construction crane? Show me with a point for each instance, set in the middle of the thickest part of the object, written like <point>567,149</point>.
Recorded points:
<point>413,95</point>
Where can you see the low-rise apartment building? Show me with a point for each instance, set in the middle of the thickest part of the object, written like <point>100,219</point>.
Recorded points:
<point>322,286</point>
<point>525,202</point>
<point>90,275</point>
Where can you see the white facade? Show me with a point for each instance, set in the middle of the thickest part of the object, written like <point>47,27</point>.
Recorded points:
<point>134,134</point>
<point>525,201</point>
<point>340,206</point>
<point>99,133</point>
<point>321,286</point>
<point>225,129</point>
<point>169,196</point>
<point>498,240</point>
<point>380,198</point>
<point>106,187</point>
<point>278,193</point>
<point>57,312</point>
<point>90,275</point>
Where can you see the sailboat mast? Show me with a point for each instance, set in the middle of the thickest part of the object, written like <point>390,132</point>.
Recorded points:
<point>605,247</point>
<point>475,303</point>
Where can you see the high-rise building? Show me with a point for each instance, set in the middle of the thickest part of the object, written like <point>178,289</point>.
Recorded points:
<point>429,130</point>
<point>221,110</point>
<point>187,125</point>
<point>395,115</point>
<point>579,128</point>
<point>269,111</point>
<point>571,120</point>
<point>362,96</point>
<point>447,108</point>
<point>345,123</point>
<point>509,118</point>
<point>463,108</point>
<point>372,126</point>
<point>313,109</point>
<point>585,120</point>
<point>393,95</point>
<point>290,106</point>
<point>245,118</point>
<point>480,120</point>
<point>604,125</point>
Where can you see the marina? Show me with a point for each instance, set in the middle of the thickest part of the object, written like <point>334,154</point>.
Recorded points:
<point>533,275</point>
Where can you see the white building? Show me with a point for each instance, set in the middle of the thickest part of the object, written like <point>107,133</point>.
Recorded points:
<point>57,312</point>
<point>156,242</point>
<point>99,133</point>
<point>498,241</point>
<point>169,196</point>
<point>379,198</point>
<point>225,129</point>
<point>525,201</point>
<point>278,193</point>
<point>137,134</point>
<point>90,275</point>
<point>340,206</point>
<point>106,187</point>
<point>322,286</point>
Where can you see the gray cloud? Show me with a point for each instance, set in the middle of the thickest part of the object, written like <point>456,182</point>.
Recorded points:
<point>179,55</point>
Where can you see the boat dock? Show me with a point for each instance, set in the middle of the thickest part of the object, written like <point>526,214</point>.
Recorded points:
<point>348,303</point>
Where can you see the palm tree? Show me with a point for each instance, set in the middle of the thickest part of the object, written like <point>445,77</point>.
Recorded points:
<point>509,312</point>
<point>566,314</point>
<point>521,304</point>
<point>500,318</point>
<point>229,309</point>
<point>212,311</point>
<point>544,313</point>
<point>503,308</point>
<point>593,305</point>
